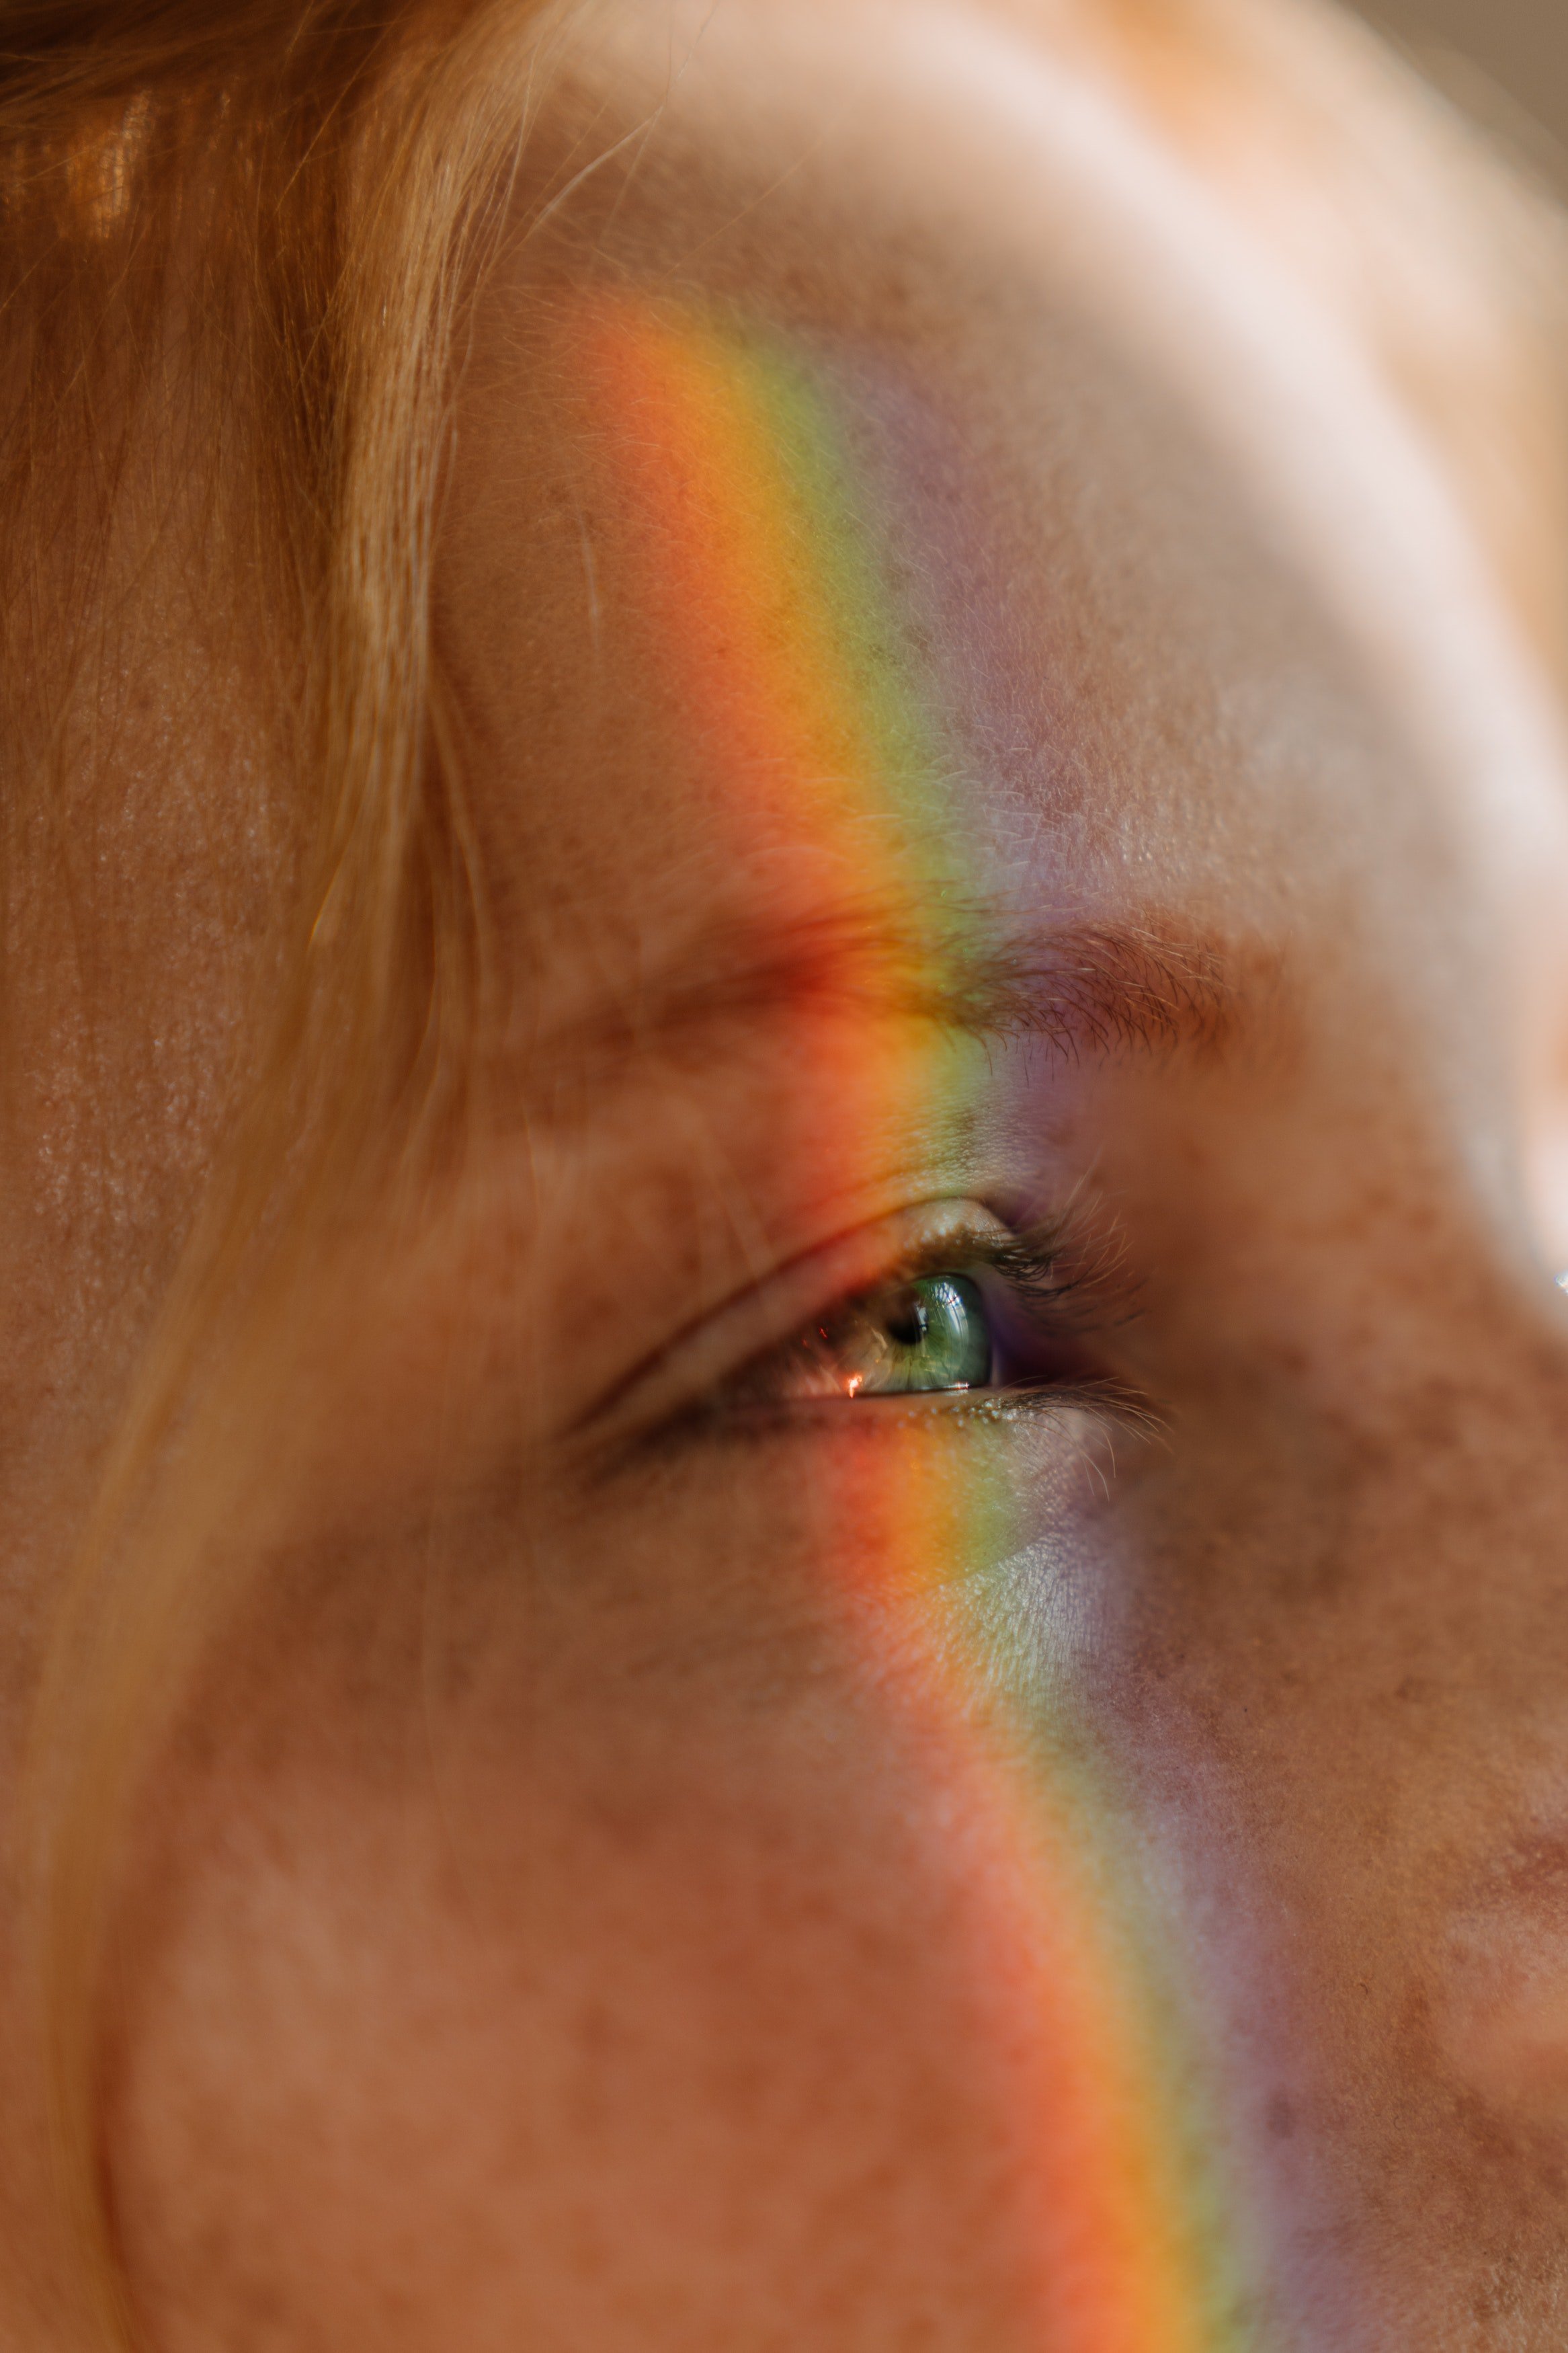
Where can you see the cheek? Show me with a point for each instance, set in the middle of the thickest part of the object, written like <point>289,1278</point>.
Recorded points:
<point>697,2037</point>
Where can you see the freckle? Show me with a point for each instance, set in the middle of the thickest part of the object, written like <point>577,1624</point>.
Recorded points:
<point>1280,2116</point>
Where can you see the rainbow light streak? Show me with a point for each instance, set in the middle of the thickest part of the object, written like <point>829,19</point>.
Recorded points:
<point>778,638</point>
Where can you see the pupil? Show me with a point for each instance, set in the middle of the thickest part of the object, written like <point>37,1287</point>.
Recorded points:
<point>909,1320</point>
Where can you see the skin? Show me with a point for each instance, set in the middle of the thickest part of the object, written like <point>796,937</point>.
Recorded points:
<point>585,1910</point>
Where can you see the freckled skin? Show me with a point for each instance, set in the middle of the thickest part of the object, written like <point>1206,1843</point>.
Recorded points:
<point>559,1926</point>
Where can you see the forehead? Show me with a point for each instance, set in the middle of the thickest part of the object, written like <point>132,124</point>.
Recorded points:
<point>1167,601</point>
<point>1177,615</point>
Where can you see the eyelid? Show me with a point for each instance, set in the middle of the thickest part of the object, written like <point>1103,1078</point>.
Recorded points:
<point>913,1242</point>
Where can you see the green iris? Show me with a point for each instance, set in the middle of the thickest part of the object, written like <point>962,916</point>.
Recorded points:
<point>928,1333</point>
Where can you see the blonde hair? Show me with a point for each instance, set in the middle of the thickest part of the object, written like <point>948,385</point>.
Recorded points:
<point>298,200</point>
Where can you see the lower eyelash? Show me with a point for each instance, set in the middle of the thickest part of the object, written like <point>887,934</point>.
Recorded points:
<point>1111,1400</point>
<point>1108,1401</point>
<point>1054,1285</point>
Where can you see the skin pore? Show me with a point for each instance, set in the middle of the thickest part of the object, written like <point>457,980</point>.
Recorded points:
<point>982,736</point>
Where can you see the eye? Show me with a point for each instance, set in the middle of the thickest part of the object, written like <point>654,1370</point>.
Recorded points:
<point>943,1300</point>
<point>928,1333</point>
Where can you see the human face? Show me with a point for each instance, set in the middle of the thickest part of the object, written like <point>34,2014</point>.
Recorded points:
<point>925,1705</point>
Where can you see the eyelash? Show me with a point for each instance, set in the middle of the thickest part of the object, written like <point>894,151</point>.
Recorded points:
<point>1030,1264</point>
<point>1063,1289</point>
<point>1061,1285</point>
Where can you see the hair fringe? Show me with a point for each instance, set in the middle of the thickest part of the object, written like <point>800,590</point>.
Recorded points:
<point>336,214</point>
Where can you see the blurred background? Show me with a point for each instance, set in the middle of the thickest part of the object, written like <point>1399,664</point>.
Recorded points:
<point>1504,60</point>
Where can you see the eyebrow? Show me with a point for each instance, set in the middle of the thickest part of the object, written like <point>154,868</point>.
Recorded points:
<point>1080,987</point>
